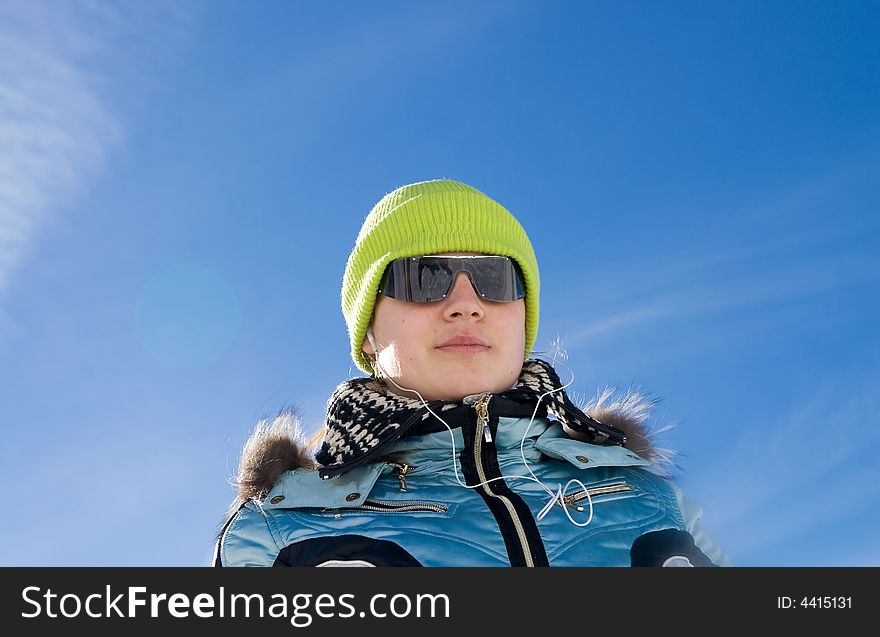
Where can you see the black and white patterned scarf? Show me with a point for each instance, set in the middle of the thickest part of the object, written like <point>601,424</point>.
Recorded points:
<point>364,417</point>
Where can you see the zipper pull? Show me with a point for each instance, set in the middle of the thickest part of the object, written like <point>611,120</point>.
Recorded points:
<point>482,408</point>
<point>569,500</point>
<point>400,470</point>
<point>480,403</point>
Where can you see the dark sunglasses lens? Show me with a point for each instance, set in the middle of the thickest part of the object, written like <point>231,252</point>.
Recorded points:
<point>417,279</point>
<point>495,278</point>
<point>433,279</point>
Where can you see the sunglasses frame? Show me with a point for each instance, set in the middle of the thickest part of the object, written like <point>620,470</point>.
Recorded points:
<point>408,267</point>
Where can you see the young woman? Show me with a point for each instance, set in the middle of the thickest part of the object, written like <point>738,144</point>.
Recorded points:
<point>459,449</point>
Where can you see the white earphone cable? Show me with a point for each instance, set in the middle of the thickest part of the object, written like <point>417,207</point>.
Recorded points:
<point>555,496</point>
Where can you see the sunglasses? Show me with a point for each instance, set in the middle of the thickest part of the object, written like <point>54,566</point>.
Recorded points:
<point>428,279</point>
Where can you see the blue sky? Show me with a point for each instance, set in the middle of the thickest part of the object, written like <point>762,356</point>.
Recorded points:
<point>181,183</point>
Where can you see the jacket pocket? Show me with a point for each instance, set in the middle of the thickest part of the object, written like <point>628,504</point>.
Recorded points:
<point>600,493</point>
<point>390,506</point>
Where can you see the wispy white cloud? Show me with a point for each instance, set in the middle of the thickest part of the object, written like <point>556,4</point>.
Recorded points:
<point>794,244</point>
<point>57,123</point>
<point>759,275</point>
<point>621,320</point>
<point>54,128</point>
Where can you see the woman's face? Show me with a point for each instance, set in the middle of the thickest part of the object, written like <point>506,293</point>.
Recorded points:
<point>452,348</point>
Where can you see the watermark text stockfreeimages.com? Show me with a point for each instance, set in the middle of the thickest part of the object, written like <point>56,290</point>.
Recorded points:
<point>300,608</point>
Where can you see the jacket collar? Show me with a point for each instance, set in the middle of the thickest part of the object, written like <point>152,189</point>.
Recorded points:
<point>281,444</point>
<point>364,418</point>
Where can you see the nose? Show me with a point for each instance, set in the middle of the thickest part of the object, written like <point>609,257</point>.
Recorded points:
<point>462,300</point>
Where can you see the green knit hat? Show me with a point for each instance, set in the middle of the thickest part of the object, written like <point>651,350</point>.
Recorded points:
<point>424,218</point>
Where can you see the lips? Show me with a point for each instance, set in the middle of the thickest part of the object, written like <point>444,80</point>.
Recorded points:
<point>464,345</point>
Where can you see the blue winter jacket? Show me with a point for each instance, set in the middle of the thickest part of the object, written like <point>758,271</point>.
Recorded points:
<point>411,507</point>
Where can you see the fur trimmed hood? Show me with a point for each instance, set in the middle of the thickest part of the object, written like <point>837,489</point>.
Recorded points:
<point>281,444</point>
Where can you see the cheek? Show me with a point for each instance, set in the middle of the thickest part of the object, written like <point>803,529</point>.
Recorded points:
<point>408,335</point>
<point>516,321</point>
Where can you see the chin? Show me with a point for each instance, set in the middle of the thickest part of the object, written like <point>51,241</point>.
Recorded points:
<point>460,390</point>
<point>466,380</point>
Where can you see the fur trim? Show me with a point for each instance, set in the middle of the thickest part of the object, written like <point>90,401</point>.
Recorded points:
<point>630,412</point>
<point>273,448</point>
<point>281,444</point>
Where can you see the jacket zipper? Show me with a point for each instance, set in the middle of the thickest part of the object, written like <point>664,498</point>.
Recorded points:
<point>389,506</point>
<point>481,406</point>
<point>592,492</point>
